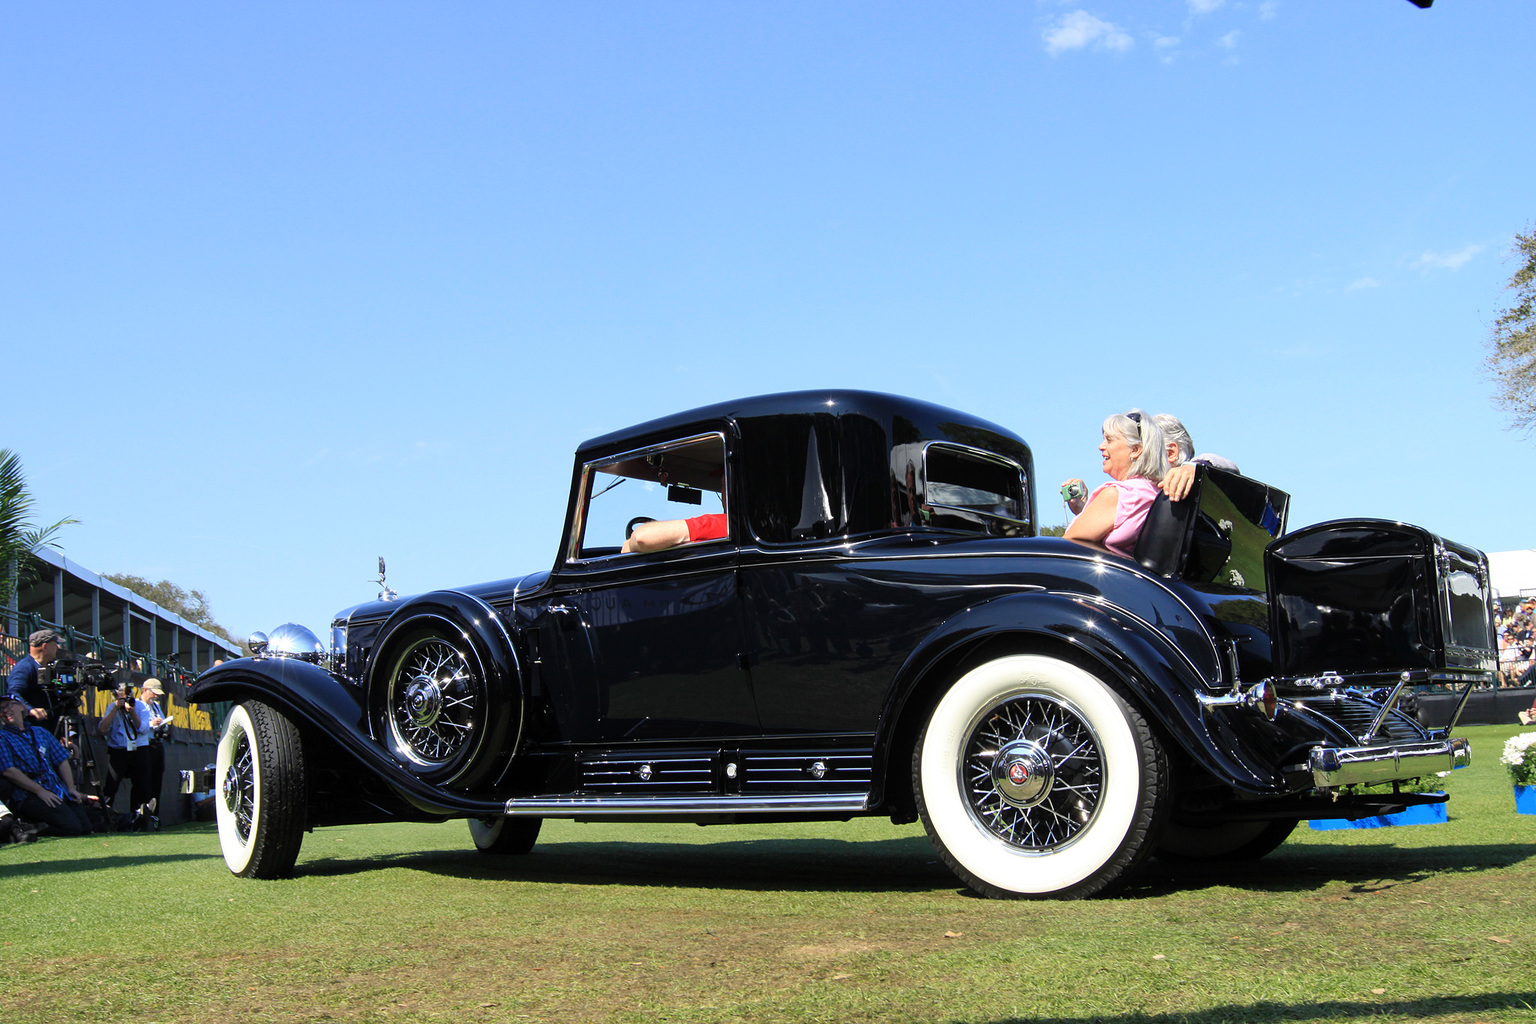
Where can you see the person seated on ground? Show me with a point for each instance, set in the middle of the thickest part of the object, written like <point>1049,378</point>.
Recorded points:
<point>1134,457</point>
<point>1182,458</point>
<point>13,829</point>
<point>660,534</point>
<point>34,769</point>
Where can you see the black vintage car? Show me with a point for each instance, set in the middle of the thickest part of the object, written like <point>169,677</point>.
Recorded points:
<point>877,628</point>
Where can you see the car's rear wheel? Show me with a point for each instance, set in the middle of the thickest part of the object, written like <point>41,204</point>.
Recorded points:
<point>261,802</point>
<point>1035,778</point>
<point>1228,840</point>
<point>502,836</point>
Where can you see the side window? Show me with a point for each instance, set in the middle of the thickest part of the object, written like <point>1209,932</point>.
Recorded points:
<point>678,481</point>
<point>969,489</point>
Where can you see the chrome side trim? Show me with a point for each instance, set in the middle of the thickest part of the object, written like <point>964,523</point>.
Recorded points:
<point>639,806</point>
<point>1348,766</point>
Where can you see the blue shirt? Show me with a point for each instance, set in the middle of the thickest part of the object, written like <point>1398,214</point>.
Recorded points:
<point>118,735</point>
<point>35,753</point>
<point>22,684</point>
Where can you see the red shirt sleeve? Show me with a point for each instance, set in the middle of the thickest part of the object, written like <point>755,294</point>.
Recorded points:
<point>711,527</point>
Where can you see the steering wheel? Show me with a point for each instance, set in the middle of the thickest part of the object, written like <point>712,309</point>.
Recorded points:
<point>629,528</point>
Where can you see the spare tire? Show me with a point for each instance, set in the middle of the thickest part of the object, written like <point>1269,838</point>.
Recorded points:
<point>444,693</point>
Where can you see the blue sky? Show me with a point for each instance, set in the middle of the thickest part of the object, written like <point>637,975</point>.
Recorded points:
<point>284,287</point>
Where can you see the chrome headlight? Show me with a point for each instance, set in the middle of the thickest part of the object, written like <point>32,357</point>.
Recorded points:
<point>291,640</point>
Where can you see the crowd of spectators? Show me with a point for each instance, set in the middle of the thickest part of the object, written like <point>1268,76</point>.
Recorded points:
<point>1517,625</point>
<point>39,790</point>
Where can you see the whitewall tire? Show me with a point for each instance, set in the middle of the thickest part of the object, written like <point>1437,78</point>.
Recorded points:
<point>1035,778</point>
<point>261,797</point>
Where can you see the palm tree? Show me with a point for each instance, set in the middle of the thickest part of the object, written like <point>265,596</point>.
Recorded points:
<point>19,535</point>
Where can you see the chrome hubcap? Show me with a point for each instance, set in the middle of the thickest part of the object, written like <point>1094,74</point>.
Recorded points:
<point>1023,773</point>
<point>423,702</point>
<point>1033,772</point>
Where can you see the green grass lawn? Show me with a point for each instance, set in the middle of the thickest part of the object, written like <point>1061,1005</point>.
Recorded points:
<point>835,922</point>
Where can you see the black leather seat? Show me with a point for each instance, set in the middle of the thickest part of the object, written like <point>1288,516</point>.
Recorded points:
<point>1193,539</point>
<point>1164,539</point>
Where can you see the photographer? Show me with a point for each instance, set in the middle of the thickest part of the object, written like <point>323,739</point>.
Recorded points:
<point>22,684</point>
<point>35,774</point>
<point>150,695</point>
<point>127,729</point>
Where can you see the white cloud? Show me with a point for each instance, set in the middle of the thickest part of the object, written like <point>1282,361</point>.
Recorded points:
<point>1445,260</point>
<point>1229,40</point>
<point>1364,282</point>
<point>1204,6</point>
<point>1267,10</point>
<point>1165,42</point>
<point>1079,29</point>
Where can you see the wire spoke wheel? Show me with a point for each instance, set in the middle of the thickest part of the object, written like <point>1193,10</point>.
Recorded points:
<point>239,789</point>
<point>434,701</point>
<point>1035,778</point>
<point>1034,772</point>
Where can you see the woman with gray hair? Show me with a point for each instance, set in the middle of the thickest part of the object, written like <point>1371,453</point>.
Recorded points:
<point>1134,454</point>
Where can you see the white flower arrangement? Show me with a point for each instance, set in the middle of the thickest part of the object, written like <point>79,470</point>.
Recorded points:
<point>1520,758</point>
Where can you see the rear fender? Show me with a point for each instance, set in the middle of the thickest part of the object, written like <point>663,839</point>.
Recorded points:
<point>1107,640</point>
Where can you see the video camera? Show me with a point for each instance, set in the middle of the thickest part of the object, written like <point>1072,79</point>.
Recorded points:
<point>66,677</point>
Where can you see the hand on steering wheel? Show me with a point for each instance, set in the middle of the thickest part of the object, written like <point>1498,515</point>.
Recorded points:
<point>629,529</point>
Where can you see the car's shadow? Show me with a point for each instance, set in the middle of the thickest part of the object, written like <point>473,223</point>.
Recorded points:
<point>908,864</point>
<point>1429,1007</point>
<point>1367,868</point>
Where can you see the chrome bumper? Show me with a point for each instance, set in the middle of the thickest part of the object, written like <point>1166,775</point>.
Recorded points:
<point>1350,766</point>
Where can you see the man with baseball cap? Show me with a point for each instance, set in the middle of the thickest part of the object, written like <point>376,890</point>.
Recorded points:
<point>35,778</point>
<point>22,684</point>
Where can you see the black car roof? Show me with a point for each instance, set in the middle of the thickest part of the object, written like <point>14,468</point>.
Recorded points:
<point>930,420</point>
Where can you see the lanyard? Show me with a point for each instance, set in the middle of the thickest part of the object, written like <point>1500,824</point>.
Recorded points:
<point>37,747</point>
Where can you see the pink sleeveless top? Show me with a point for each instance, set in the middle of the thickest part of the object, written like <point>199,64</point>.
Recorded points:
<point>1136,497</point>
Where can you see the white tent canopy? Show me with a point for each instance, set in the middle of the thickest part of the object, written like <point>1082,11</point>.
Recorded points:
<point>1513,572</point>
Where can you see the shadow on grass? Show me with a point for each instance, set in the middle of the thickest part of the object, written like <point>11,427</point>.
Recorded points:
<point>1304,868</point>
<point>908,864</point>
<point>98,862</point>
<point>1332,1010</point>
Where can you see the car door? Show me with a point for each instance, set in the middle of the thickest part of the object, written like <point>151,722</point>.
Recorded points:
<point>648,646</point>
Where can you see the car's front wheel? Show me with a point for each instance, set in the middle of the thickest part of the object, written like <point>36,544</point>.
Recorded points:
<point>262,799</point>
<point>1035,778</point>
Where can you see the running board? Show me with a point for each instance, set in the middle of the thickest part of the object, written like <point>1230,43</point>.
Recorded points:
<point>644,806</point>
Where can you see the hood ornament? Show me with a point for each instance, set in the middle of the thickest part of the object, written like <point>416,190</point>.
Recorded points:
<point>385,594</point>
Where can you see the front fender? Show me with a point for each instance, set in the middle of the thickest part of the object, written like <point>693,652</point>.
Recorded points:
<point>335,708</point>
<point>1115,644</point>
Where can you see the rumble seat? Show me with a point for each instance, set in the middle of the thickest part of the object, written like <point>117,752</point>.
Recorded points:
<point>1217,534</point>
